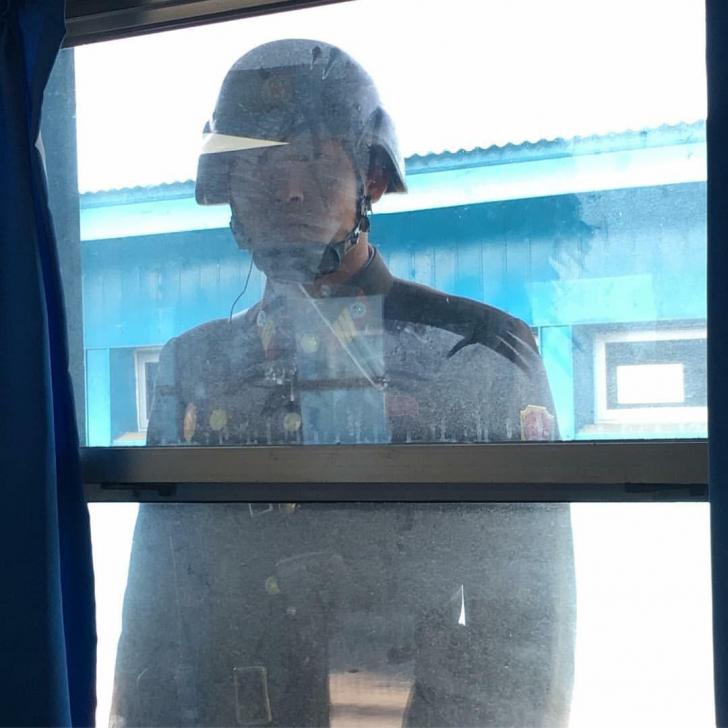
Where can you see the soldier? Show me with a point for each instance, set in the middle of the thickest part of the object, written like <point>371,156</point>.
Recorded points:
<point>231,611</point>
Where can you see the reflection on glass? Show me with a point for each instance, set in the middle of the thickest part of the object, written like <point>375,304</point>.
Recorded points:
<point>338,350</point>
<point>643,634</point>
<point>535,258</point>
<point>576,205</point>
<point>476,614</point>
<point>287,615</point>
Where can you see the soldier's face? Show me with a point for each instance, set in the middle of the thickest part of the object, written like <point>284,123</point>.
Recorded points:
<point>299,193</point>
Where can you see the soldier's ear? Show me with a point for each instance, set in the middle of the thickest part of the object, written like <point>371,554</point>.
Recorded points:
<point>377,180</point>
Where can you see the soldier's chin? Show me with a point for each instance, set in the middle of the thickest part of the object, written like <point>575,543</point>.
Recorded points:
<point>285,230</point>
<point>291,263</point>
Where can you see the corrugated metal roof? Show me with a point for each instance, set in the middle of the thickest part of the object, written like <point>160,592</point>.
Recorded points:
<point>665,135</point>
<point>132,195</point>
<point>542,149</point>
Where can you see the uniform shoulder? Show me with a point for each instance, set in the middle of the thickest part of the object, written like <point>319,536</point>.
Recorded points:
<point>417,303</point>
<point>475,322</point>
<point>212,331</point>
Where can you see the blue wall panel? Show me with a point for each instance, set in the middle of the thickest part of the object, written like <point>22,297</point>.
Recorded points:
<point>621,256</point>
<point>616,257</point>
<point>141,291</point>
<point>122,371</point>
<point>98,398</point>
<point>556,346</point>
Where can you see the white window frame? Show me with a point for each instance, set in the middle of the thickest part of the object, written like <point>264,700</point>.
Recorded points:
<point>646,415</point>
<point>142,357</point>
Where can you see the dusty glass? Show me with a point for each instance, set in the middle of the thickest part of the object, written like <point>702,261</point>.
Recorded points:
<point>643,631</point>
<point>471,231</point>
<point>555,211</point>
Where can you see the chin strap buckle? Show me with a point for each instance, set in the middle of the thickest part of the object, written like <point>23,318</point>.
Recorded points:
<point>365,207</point>
<point>335,252</point>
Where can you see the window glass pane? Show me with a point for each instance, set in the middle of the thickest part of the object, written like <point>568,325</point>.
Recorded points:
<point>555,205</point>
<point>650,384</point>
<point>451,614</point>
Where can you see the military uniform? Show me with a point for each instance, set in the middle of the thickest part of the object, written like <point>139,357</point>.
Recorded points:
<point>231,610</point>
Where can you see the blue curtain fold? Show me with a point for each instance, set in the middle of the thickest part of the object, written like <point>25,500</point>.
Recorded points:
<point>47,629</point>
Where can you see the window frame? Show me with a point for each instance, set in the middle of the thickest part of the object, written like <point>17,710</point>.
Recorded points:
<point>640,414</point>
<point>142,357</point>
<point>90,21</point>
<point>582,471</point>
<point>618,471</point>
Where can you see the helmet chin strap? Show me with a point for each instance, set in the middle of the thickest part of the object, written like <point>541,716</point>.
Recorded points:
<point>335,251</point>
<point>331,256</point>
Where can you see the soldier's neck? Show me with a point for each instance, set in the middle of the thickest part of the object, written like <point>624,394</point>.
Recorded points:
<point>354,260</point>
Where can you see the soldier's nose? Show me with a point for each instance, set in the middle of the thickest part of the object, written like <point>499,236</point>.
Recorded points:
<point>294,188</point>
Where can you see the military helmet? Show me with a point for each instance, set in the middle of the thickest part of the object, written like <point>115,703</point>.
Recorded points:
<point>287,87</point>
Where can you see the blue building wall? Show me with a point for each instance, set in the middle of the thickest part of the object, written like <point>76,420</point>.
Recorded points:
<point>598,258</point>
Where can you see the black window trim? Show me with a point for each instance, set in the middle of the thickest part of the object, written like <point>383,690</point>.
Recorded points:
<point>614,471</point>
<point>90,21</point>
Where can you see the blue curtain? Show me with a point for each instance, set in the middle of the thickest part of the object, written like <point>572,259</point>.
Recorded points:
<point>47,631</point>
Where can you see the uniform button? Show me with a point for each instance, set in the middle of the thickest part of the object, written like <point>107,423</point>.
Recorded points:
<point>292,422</point>
<point>218,419</point>
<point>309,343</point>
<point>271,586</point>
<point>358,309</point>
<point>261,318</point>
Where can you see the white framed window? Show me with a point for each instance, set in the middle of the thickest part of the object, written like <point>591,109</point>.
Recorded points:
<point>651,377</point>
<point>146,362</point>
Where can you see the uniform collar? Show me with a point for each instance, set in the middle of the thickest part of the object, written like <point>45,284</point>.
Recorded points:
<point>374,279</point>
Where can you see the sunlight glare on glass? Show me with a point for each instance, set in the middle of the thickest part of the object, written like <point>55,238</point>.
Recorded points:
<point>650,383</point>
<point>455,75</point>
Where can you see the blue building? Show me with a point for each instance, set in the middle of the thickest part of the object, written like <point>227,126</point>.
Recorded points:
<point>547,231</point>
